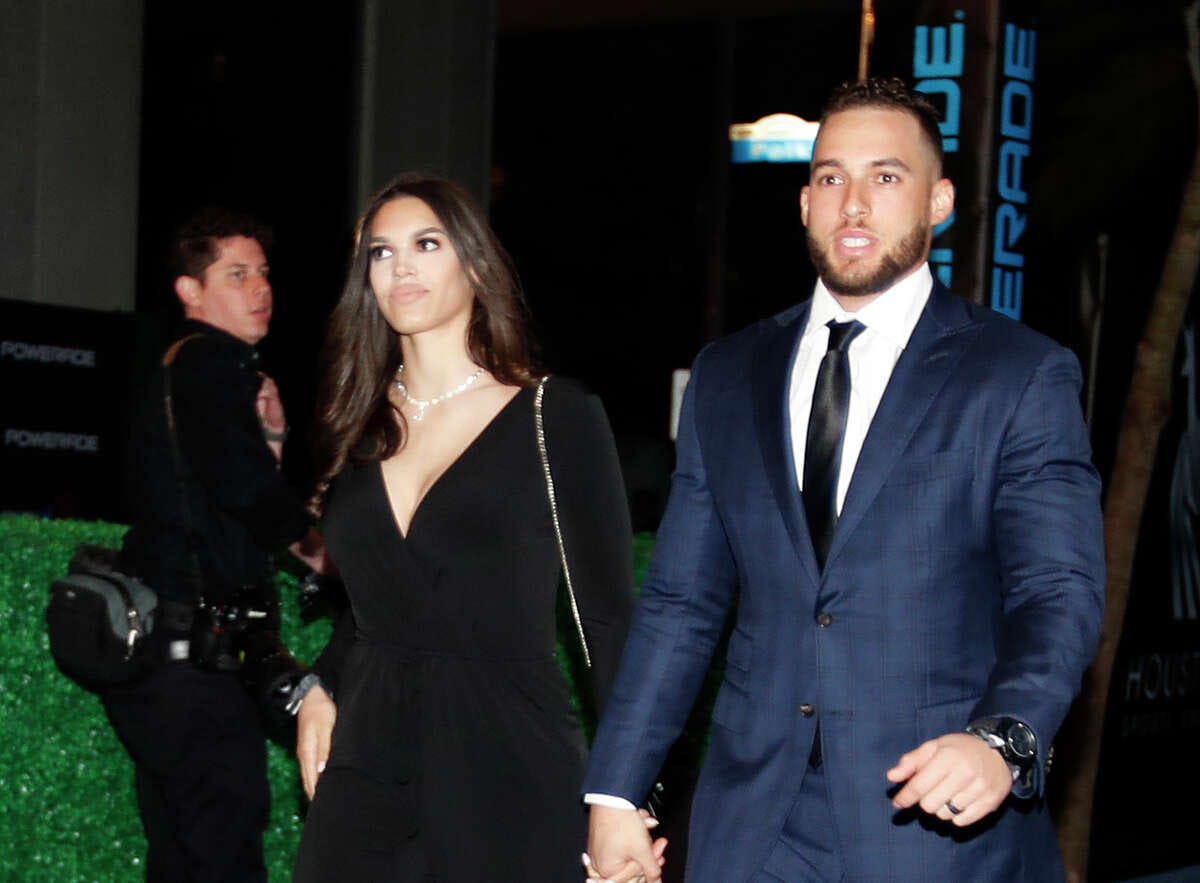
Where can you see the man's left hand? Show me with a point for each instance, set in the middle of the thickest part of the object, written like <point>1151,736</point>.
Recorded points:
<point>957,771</point>
<point>269,408</point>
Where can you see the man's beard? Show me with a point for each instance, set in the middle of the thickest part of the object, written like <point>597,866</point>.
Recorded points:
<point>853,282</point>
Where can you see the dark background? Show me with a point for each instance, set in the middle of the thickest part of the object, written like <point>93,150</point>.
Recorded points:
<point>612,186</point>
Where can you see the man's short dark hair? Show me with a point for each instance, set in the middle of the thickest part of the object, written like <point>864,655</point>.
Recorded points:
<point>194,247</point>
<point>889,93</point>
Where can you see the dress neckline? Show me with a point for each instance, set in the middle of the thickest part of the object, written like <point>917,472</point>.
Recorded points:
<point>451,467</point>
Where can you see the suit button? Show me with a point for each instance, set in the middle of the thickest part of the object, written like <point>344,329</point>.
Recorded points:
<point>807,710</point>
<point>824,620</point>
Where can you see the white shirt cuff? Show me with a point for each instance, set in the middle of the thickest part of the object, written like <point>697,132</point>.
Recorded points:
<point>607,800</point>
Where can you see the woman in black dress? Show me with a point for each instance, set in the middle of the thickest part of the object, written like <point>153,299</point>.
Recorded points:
<point>442,744</point>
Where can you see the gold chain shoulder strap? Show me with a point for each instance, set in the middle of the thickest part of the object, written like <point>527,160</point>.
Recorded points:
<point>562,549</point>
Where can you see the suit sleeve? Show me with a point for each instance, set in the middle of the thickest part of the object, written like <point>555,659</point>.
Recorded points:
<point>222,442</point>
<point>676,625</point>
<point>594,516</point>
<point>1049,540</point>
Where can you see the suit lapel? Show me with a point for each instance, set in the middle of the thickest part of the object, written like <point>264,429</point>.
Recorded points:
<point>942,334</point>
<point>770,376</point>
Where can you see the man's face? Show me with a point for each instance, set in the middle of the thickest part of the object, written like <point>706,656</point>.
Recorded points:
<point>234,294</point>
<point>873,197</point>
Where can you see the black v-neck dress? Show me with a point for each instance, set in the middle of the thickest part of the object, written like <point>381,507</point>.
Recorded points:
<point>457,756</point>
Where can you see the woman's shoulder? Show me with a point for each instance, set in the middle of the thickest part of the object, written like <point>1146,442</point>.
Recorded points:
<point>561,388</point>
<point>568,402</point>
<point>567,394</point>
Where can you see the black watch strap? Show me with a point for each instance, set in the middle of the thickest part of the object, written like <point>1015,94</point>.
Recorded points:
<point>1017,744</point>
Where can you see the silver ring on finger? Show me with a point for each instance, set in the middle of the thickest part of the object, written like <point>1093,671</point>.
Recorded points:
<point>954,810</point>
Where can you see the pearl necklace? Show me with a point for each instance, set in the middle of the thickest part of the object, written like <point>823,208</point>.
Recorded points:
<point>422,404</point>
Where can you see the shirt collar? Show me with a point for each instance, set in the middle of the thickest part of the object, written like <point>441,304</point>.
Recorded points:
<point>893,314</point>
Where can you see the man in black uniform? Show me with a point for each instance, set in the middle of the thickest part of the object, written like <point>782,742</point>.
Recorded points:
<point>211,505</point>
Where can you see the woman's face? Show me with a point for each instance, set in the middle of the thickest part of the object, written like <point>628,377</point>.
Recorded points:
<point>415,274</point>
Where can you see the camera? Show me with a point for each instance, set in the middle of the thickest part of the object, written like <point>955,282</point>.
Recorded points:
<point>242,635</point>
<point>320,595</point>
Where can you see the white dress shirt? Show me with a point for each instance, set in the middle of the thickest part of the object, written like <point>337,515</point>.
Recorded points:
<point>889,320</point>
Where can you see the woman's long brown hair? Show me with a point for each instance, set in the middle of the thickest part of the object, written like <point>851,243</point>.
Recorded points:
<point>356,422</point>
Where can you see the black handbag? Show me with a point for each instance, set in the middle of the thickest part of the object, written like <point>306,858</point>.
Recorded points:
<point>98,620</point>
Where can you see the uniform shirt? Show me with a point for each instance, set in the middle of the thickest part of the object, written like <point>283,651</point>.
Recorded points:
<point>239,505</point>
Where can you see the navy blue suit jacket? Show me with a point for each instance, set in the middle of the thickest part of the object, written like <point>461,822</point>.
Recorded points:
<point>965,579</point>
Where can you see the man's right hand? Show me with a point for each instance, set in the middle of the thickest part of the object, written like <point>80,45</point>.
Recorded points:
<point>620,848</point>
<point>314,731</point>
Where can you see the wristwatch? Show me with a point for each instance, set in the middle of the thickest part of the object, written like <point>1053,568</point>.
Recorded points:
<point>1016,743</point>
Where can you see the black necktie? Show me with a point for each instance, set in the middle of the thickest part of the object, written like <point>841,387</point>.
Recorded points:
<point>826,428</point>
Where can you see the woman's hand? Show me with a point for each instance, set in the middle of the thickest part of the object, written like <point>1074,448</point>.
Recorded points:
<point>314,730</point>
<point>634,871</point>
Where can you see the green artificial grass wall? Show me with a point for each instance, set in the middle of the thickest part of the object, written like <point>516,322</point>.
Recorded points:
<point>68,811</point>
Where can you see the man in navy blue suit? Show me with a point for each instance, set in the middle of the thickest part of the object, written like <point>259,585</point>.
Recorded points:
<point>894,490</point>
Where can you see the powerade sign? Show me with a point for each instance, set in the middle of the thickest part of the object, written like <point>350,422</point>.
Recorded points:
<point>64,387</point>
<point>938,56</point>
<point>980,250</point>
<point>1016,129</point>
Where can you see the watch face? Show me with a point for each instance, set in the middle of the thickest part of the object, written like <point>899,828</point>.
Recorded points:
<point>1021,741</point>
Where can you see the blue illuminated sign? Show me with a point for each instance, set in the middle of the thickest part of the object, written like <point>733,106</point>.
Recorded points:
<point>939,53</point>
<point>1016,129</point>
<point>779,137</point>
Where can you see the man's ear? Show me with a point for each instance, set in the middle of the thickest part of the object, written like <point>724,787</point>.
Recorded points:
<point>804,205</point>
<point>187,289</point>
<point>941,201</point>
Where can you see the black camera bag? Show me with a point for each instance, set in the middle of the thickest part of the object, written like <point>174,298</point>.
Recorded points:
<point>98,620</point>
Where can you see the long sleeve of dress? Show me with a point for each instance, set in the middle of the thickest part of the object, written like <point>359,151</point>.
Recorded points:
<point>329,664</point>
<point>594,515</point>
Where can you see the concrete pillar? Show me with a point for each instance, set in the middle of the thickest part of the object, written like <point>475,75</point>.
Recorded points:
<point>425,87</point>
<point>70,110</point>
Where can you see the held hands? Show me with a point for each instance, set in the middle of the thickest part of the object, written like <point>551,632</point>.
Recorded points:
<point>620,849</point>
<point>314,730</point>
<point>957,771</point>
